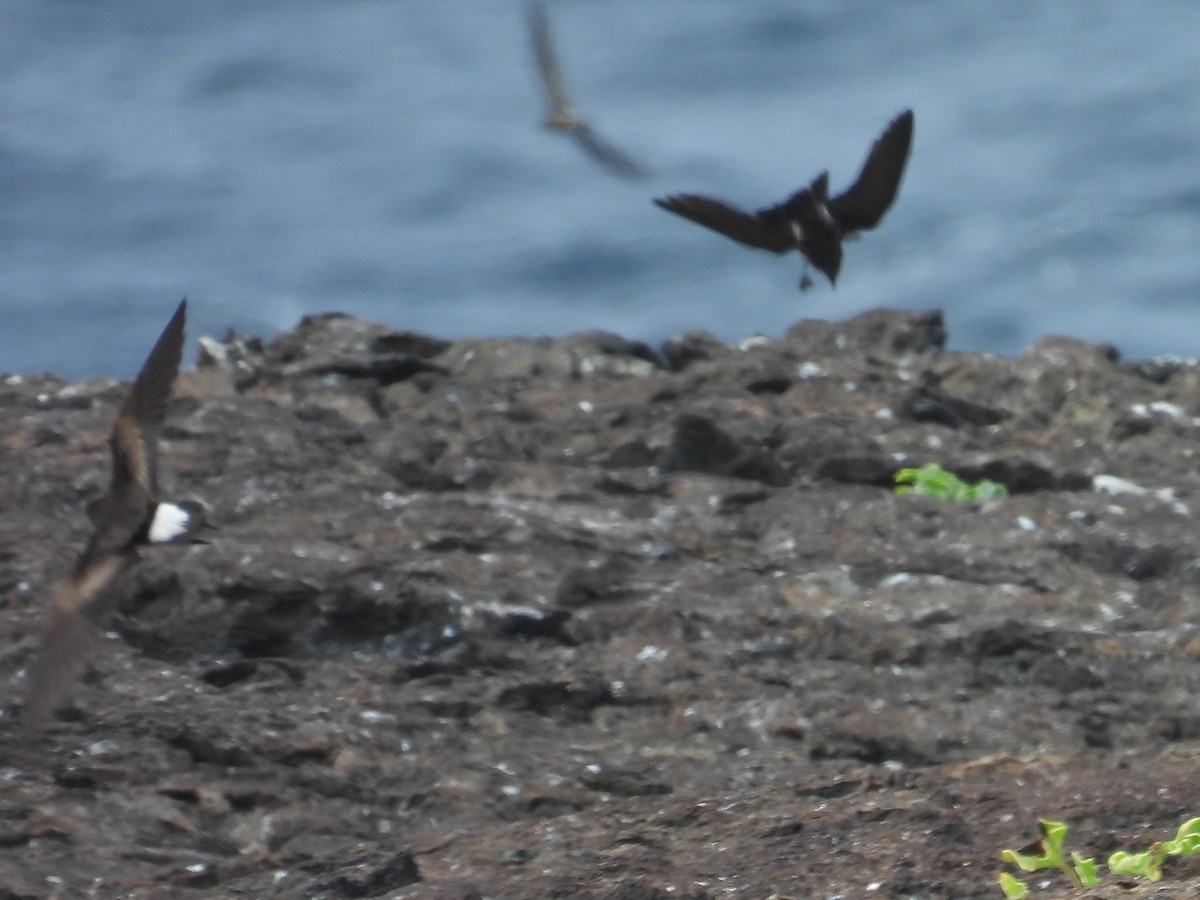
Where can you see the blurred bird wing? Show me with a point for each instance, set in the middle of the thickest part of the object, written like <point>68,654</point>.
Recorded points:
<point>753,230</point>
<point>69,639</point>
<point>121,513</point>
<point>547,63</point>
<point>69,636</point>
<point>134,438</point>
<point>863,204</point>
<point>608,155</point>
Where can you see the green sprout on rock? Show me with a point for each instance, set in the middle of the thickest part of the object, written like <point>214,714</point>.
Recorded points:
<point>1149,864</point>
<point>1083,872</point>
<point>934,481</point>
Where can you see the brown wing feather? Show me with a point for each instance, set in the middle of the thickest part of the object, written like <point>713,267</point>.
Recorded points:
<point>558,110</point>
<point>606,154</point>
<point>69,636</point>
<point>559,116</point>
<point>742,227</point>
<point>147,400</point>
<point>863,204</point>
<point>135,434</point>
<point>69,639</point>
<point>121,513</point>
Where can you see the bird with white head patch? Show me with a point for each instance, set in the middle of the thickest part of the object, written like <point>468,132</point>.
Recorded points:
<point>129,515</point>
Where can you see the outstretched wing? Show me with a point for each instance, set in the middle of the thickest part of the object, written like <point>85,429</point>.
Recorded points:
<point>864,202</point>
<point>70,634</point>
<point>745,228</point>
<point>69,640</point>
<point>121,513</point>
<point>559,116</point>
<point>135,434</point>
<point>606,154</point>
<point>547,63</point>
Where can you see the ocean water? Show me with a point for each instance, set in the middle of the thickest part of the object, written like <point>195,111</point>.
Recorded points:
<point>382,157</point>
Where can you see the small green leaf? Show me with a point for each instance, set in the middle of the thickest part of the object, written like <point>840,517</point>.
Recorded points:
<point>988,490</point>
<point>1086,869</point>
<point>1142,864</point>
<point>1024,861</point>
<point>1187,839</point>
<point>1054,835</point>
<point>934,481</point>
<point>1014,889</point>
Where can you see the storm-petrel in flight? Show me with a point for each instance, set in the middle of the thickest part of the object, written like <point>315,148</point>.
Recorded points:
<point>559,116</point>
<point>810,220</point>
<point>128,516</point>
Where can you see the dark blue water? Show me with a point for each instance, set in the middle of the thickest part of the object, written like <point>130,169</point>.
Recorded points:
<point>382,157</point>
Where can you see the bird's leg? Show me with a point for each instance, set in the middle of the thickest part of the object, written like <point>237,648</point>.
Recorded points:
<point>806,281</point>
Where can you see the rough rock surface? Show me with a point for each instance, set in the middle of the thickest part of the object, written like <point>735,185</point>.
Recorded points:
<point>580,617</point>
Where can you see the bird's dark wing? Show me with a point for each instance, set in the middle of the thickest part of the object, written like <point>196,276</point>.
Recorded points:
<point>547,63</point>
<point>121,513</point>
<point>819,187</point>
<point>69,636</point>
<point>606,154</point>
<point>864,202</point>
<point>69,639</point>
<point>559,116</point>
<point>135,434</point>
<point>147,400</point>
<point>745,228</point>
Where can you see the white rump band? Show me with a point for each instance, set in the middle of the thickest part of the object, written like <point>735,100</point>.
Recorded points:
<point>170,521</point>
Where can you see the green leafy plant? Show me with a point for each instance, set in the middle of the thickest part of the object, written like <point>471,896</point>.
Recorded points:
<point>1014,888</point>
<point>934,481</point>
<point>1083,872</point>
<point>1149,864</point>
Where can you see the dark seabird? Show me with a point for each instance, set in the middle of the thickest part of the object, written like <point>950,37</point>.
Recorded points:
<point>128,516</point>
<point>810,220</point>
<point>559,116</point>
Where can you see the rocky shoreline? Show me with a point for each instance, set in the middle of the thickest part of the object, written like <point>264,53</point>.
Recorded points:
<point>581,617</point>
